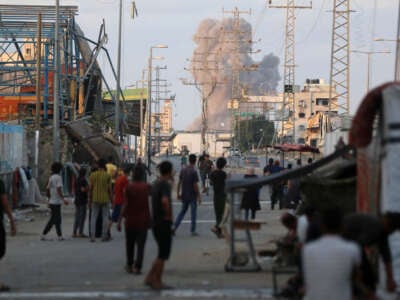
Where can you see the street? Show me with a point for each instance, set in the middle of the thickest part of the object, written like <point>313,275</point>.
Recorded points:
<point>78,269</point>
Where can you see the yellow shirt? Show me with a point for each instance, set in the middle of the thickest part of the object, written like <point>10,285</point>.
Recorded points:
<point>112,170</point>
<point>101,182</point>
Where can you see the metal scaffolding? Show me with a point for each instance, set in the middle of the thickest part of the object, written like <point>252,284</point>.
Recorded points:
<point>340,58</point>
<point>27,64</point>
<point>288,124</point>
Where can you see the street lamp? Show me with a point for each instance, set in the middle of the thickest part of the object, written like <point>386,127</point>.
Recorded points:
<point>149,70</point>
<point>369,53</point>
<point>397,41</point>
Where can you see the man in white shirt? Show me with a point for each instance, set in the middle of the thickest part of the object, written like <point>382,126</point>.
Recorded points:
<point>330,262</point>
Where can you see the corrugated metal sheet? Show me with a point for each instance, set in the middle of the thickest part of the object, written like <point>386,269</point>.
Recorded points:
<point>12,138</point>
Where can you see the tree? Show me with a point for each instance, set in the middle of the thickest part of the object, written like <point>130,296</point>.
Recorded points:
<point>255,132</point>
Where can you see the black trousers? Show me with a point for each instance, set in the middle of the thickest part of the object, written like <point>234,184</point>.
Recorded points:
<point>80,217</point>
<point>135,238</point>
<point>55,219</point>
<point>163,235</point>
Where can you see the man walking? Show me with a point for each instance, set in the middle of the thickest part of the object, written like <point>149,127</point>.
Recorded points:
<point>119,190</point>
<point>190,195</point>
<point>99,200</point>
<point>162,220</point>
<point>205,168</point>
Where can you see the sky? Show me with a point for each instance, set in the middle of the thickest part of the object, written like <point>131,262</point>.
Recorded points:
<point>173,22</point>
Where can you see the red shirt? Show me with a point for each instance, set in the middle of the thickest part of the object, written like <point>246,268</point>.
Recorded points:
<point>137,214</point>
<point>120,185</point>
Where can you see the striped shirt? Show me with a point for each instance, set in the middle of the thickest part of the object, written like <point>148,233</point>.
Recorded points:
<point>101,183</point>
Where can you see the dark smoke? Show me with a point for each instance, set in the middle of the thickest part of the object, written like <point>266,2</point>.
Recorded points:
<point>220,59</point>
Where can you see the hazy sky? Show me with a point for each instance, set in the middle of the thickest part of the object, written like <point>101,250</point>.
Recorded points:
<point>173,22</point>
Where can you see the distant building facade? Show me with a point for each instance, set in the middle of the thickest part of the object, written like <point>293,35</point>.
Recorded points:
<point>310,100</point>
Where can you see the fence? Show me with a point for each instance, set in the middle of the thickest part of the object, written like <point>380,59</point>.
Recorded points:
<point>11,147</point>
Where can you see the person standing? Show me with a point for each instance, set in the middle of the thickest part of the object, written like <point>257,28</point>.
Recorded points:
<point>268,167</point>
<point>205,168</point>
<point>56,199</point>
<point>119,190</point>
<point>81,202</point>
<point>5,208</point>
<point>276,187</point>
<point>330,263</point>
<point>190,195</point>
<point>250,200</point>
<point>162,227</point>
<point>145,170</point>
<point>135,210</point>
<point>99,198</point>
<point>218,178</point>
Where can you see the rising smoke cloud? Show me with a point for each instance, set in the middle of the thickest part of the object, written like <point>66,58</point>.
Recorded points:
<point>212,60</point>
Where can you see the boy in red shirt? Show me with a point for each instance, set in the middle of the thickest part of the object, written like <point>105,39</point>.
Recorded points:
<point>119,189</point>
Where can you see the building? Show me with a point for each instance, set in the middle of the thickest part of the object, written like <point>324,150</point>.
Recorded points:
<point>310,100</point>
<point>219,142</point>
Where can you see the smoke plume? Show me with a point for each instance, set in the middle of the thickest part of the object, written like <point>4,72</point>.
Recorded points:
<point>214,59</point>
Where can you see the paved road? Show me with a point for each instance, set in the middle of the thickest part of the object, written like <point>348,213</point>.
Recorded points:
<point>78,269</point>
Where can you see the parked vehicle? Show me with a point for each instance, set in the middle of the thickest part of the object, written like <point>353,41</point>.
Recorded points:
<point>251,161</point>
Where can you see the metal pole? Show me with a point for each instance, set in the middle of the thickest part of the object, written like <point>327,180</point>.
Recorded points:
<point>368,70</point>
<point>397,72</point>
<point>149,109</point>
<point>56,86</point>
<point>38,69</point>
<point>117,123</point>
<point>142,137</point>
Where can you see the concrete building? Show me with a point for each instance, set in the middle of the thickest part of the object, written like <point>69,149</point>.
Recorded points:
<point>218,142</point>
<point>310,100</point>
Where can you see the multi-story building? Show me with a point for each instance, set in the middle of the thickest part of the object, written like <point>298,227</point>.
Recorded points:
<point>292,124</point>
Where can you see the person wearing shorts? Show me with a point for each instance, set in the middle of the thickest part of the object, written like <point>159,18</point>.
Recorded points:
<point>119,189</point>
<point>162,228</point>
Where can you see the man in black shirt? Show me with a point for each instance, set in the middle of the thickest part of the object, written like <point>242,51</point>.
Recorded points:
<point>5,208</point>
<point>162,229</point>
<point>218,178</point>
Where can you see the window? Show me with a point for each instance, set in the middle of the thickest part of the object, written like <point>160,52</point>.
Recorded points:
<point>301,141</point>
<point>313,142</point>
<point>302,127</point>
<point>28,51</point>
<point>302,115</point>
<point>323,101</point>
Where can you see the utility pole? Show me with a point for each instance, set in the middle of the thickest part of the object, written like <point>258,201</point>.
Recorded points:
<point>237,68</point>
<point>289,66</point>
<point>157,104</point>
<point>56,86</point>
<point>38,70</point>
<point>369,54</point>
<point>38,92</point>
<point>149,100</point>
<point>397,71</point>
<point>339,79</point>
<point>117,100</point>
<point>205,88</point>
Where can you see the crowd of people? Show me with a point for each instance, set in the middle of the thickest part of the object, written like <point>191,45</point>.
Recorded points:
<point>343,248</point>
<point>319,242</point>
